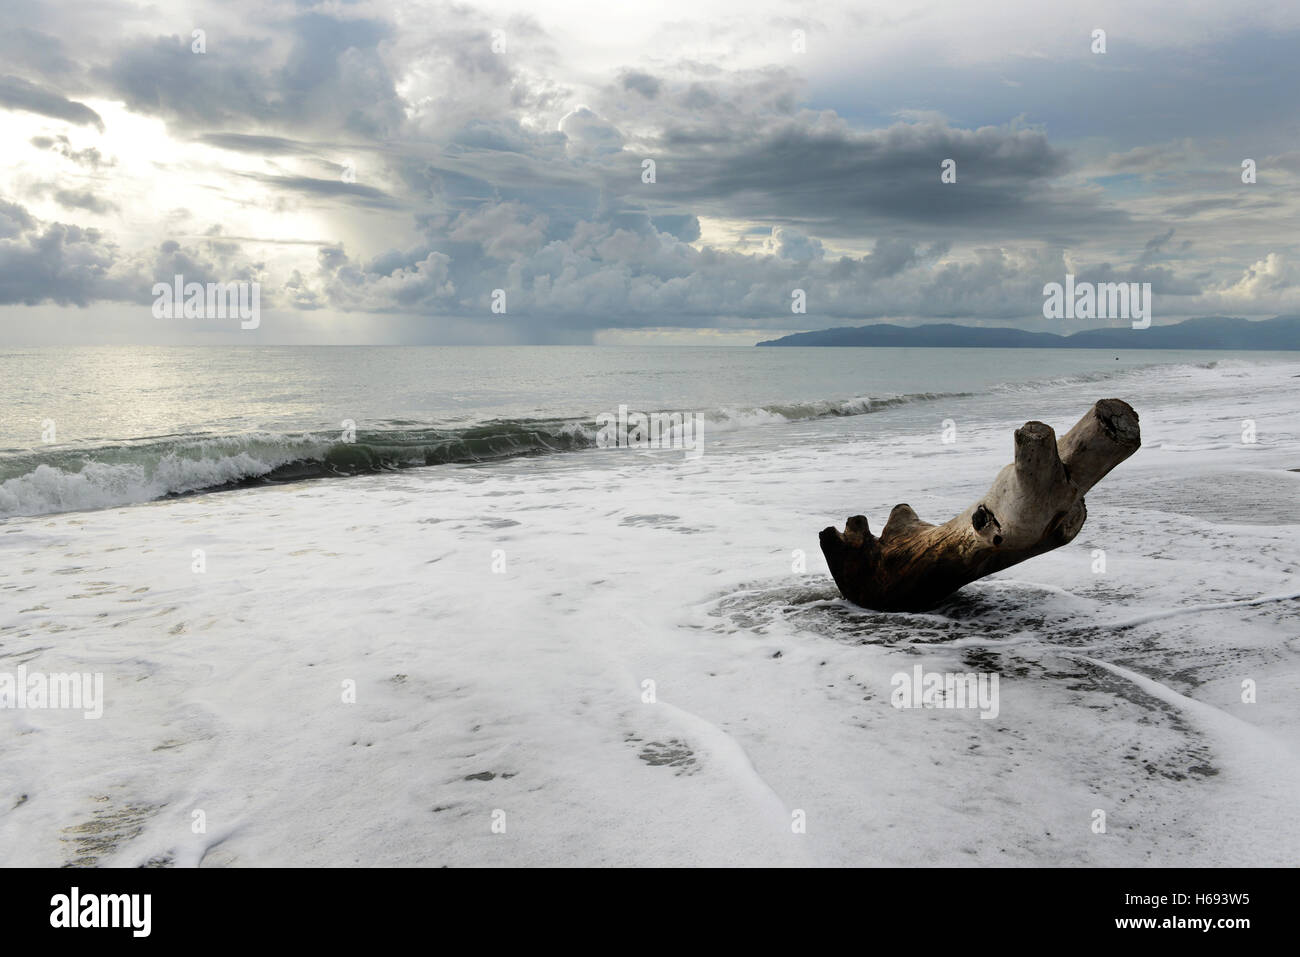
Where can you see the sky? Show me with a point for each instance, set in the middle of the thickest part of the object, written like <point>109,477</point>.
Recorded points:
<point>387,171</point>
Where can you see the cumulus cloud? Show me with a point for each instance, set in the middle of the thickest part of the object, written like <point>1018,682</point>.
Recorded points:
<point>71,265</point>
<point>349,286</point>
<point>590,134</point>
<point>1272,274</point>
<point>500,230</point>
<point>787,243</point>
<point>56,262</point>
<point>491,159</point>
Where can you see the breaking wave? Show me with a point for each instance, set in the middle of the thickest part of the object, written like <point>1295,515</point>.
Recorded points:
<point>39,482</point>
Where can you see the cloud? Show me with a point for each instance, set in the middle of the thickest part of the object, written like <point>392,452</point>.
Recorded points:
<point>500,230</point>
<point>350,286</point>
<point>683,226</point>
<point>1148,159</point>
<point>643,83</point>
<point>18,94</point>
<point>90,156</point>
<point>519,168</point>
<point>787,243</point>
<point>1194,207</point>
<point>1272,274</point>
<point>589,134</point>
<point>332,76</point>
<point>248,143</point>
<point>14,219</point>
<point>83,199</point>
<point>354,193</point>
<point>814,168</point>
<point>624,272</point>
<point>54,262</point>
<point>71,265</point>
<point>35,52</point>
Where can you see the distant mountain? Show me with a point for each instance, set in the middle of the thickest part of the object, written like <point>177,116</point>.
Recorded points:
<point>1211,332</point>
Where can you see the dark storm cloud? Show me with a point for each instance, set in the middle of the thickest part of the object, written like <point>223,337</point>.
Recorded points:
<point>332,78</point>
<point>737,146</point>
<point>809,170</point>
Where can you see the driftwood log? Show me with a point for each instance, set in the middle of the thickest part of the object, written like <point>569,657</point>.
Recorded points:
<point>1034,505</point>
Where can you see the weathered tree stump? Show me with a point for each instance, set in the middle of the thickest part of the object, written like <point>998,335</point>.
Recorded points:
<point>1034,505</point>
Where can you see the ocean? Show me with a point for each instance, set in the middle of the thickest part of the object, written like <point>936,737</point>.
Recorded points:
<point>396,605</point>
<point>100,427</point>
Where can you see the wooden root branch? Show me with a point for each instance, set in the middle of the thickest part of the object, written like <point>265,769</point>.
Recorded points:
<point>1034,505</point>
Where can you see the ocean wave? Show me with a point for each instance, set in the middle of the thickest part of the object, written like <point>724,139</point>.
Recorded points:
<point>40,482</point>
<point>1105,375</point>
<point>730,419</point>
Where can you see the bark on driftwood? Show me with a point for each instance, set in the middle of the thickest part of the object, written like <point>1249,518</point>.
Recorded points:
<point>1034,505</point>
